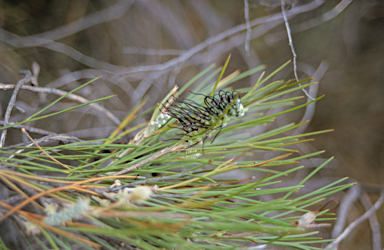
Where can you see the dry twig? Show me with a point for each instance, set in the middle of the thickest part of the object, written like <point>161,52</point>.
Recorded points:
<point>28,77</point>
<point>373,221</point>
<point>354,224</point>
<point>292,47</point>
<point>248,36</point>
<point>59,92</point>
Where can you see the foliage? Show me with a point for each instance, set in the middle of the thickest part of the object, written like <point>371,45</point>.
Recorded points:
<point>161,191</point>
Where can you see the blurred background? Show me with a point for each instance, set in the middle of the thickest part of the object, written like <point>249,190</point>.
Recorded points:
<point>142,48</point>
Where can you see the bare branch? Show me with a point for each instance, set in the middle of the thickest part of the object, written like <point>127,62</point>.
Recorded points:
<point>345,204</point>
<point>27,78</point>
<point>18,42</point>
<point>153,52</point>
<point>59,92</point>
<point>175,25</point>
<point>220,37</point>
<point>19,109</point>
<point>272,38</point>
<point>373,221</point>
<point>30,129</point>
<point>112,13</point>
<point>56,137</point>
<point>248,36</point>
<point>91,74</point>
<point>310,109</point>
<point>292,47</point>
<point>354,224</point>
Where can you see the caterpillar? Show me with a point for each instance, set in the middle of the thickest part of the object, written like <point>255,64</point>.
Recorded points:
<point>198,121</point>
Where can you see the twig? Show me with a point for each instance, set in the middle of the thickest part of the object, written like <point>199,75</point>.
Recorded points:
<point>42,150</point>
<point>13,199</point>
<point>310,109</point>
<point>143,86</point>
<point>291,45</point>
<point>352,195</point>
<point>19,109</point>
<point>222,36</point>
<point>59,92</point>
<point>272,38</point>
<point>30,129</point>
<point>91,132</point>
<point>56,137</point>
<point>213,21</point>
<point>112,13</point>
<point>46,39</point>
<point>174,25</point>
<point>354,224</point>
<point>290,39</point>
<point>91,74</point>
<point>153,52</point>
<point>248,25</point>
<point>373,221</point>
<point>14,40</point>
<point>372,188</point>
<point>18,42</point>
<point>216,51</point>
<point>172,76</point>
<point>345,204</point>
<point>27,78</point>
